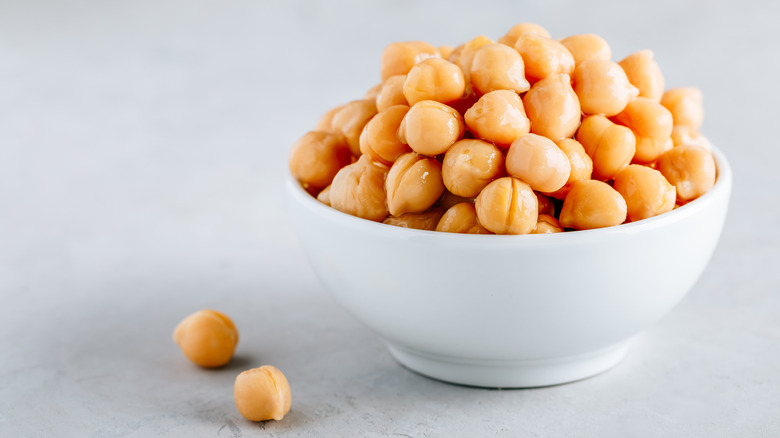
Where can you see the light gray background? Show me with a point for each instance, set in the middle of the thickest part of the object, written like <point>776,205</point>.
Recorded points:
<point>143,147</point>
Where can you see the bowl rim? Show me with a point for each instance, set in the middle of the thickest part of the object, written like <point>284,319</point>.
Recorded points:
<point>723,184</point>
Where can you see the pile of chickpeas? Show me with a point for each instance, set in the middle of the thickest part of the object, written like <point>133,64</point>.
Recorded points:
<point>527,134</point>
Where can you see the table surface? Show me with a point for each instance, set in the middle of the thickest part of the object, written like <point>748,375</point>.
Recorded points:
<point>144,149</point>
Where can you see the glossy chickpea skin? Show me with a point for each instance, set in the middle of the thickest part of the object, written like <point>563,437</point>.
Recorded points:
<point>399,58</point>
<point>461,218</point>
<point>652,124</point>
<point>391,93</point>
<point>317,157</point>
<point>685,104</point>
<point>414,184</point>
<point>498,67</point>
<point>359,189</point>
<point>690,169</point>
<point>553,107</point>
<point>646,191</point>
<point>602,87</point>
<point>543,56</point>
<point>351,119</point>
<point>581,165</point>
<point>587,46</point>
<point>546,224</point>
<point>510,38</point>
<point>380,135</point>
<point>545,203</point>
<point>324,196</point>
<point>434,79</point>
<point>539,162</point>
<point>427,220</point>
<point>685,135</point>
<point>610,146</point>
<point>645,74</point>
<point>498,117</point>
<point>469,165</point>
<point>207,337</point>
<point>262,394</point>
<point>430,128</point>
<point>592,204</point>
<point>507,206</point>
<point>463,56</point>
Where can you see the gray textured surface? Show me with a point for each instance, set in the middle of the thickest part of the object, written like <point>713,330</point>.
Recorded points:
<point>142,149</point>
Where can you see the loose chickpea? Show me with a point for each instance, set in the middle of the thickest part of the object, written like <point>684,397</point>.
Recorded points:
<point>602,87</point>
<point>646,191</point>
<point>498,117</point>
<point>427,220</point>
<point>651,123</point>
<point>553,108</point>
<point>685,135</point>
<point>398,58</point>
<point>586,46</point>
<point>413,184</point>
<point>359,189</point>
<point>498,67</point>
<point>539,162</point>
<point>325,122</point>
<point>581,165</point>
<point>691,169</point>
<point>317,156</point>
<point>445,51</point>
<point>543,56</point>
<point>463,56</point>
<point>262,394</point>
<point>546,205</point>
<point>610,146</point>
<point>324,196</point>
<point>510,38</point>
<point>592,204</point>
<point>207,337</point>
<point>380,135</point>
<point>392,93</point>
<point>507,206</point>
<point>373,92</point>
<point>448,199</point>
<point>469,165</point>
<point>461,218</point>
<point>685,104</point>
<point>434,79</point>
<point>546,224</point>
<point>351,119</point>
<point>430,128</point>
<point>645,74</point>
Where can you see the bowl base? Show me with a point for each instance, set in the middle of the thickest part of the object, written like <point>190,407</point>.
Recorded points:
<point>510,374</point>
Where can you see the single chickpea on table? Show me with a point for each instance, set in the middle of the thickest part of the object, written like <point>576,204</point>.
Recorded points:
<point>523,134</point>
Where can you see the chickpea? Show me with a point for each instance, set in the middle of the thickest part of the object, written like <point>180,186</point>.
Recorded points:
<point>324,196</point>
<point>507,206</point>
<point>426,220</point>
<point>546,224</point>
<point>434,79</point>
<point>539,162</point>
<point>430,128</point>
<point>581,165</point>
<point>553,108</point>
<point>610,146</point>
<point>392,93</point>
<point>685,135</point>
<point>207,337</point>
<point>325,122</point>
<point>498,67</point>
<point>463,56</point>
<point>691,169</point>
<point>592,204</point>
<point>317,157</point>
<point>445,51</point>
<point>498,117</point>
<point>461,218</point>
<point>373,92</point>
<point>262,394</point>
<point>469,165</point>
<point>359,189</point>
<point>646,191</point>
<point>651,123</point>
<point>510,38</point>
<point>351,119</point>
<point>546,205</point>
<point>413,184</point>
<point>543,56</point>
<point>380,136</point>
<point>448,199</point>
<point>602,87</point>
<point>685,104</point>
<point>586,46</point>
<point>398,58</point>
<point>645,74</point>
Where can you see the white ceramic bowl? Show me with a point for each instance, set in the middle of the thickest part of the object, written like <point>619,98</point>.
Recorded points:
<point>511,311</point>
